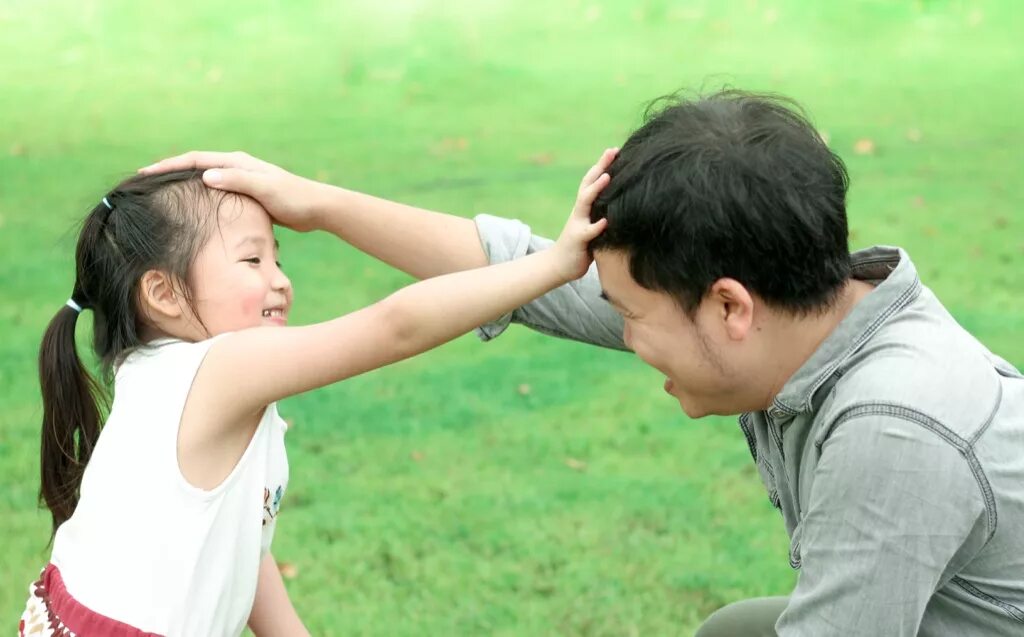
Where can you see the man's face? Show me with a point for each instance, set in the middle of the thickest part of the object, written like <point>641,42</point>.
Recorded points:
<point>689,352</point>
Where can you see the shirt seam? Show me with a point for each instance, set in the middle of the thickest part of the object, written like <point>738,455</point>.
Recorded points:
<point>1006,607</point>
<point>964,447</point>
<point>991,416</point>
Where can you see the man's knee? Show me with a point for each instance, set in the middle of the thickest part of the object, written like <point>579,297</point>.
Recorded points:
<point>745,618</point>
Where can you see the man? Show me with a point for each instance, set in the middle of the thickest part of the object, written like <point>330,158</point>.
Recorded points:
<point>891,441</point>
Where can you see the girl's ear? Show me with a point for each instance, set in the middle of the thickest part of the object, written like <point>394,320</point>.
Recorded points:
<point>159,296</point>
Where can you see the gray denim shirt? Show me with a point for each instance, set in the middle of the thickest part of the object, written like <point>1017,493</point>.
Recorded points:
<point>895,455</point>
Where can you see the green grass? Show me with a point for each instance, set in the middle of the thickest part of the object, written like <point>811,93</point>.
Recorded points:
<point>434,498</point>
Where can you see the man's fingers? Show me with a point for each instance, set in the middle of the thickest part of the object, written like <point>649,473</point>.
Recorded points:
<point>196,159</point>
<point>200,160</point>
<point>238,180</point>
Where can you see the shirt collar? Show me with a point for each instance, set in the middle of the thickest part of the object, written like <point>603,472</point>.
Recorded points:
<point>896,286</point>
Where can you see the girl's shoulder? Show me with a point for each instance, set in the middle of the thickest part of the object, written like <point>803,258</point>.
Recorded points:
<point>167,354</point>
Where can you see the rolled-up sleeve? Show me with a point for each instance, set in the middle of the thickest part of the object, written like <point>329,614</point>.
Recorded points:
<point>574,311</point>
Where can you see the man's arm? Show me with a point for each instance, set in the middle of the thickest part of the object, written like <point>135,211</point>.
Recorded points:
<point>422,243</point>
<point>419,242</point>
<point>894,513</point>
<point>425,244</point>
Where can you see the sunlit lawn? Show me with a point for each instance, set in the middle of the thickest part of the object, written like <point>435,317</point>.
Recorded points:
<point>528,486</point>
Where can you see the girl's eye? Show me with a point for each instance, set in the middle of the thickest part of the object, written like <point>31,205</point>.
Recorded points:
<point>253,260</point>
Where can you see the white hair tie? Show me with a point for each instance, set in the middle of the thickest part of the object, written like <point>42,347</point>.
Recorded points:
<point>74,306</point>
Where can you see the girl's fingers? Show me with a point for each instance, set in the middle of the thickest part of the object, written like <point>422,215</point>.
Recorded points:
<point>589,194</point>
<point>590,175</point>
<point>594,229</point>
<point>602,163</point>
<point>607,158</point>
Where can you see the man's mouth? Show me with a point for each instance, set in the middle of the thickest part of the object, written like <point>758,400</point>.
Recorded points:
<point>669,385</point>
<point>274,312</point>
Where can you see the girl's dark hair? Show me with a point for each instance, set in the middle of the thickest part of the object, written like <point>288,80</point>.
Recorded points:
<point>153,222</point>
<point>731,184</point>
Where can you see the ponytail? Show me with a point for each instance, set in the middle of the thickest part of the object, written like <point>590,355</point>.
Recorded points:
<point>71,416</point>
<point>147,222</point>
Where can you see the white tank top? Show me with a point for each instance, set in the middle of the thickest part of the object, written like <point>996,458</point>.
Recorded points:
<point>144,546</point>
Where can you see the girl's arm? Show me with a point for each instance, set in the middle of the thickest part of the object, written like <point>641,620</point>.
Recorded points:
<point>272,612</point>
<point>250,369</point>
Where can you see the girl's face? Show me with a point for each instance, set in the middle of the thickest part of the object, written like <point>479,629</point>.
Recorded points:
<point>236,278</point>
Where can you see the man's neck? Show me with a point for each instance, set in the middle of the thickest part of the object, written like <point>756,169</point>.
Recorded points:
<point>794,341</point>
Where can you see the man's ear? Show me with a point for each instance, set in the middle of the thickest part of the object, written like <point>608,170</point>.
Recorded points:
<point>734,307</point>
<point>159,295</point>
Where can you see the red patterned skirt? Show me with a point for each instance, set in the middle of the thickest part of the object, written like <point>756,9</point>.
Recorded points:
<point>52,612</point>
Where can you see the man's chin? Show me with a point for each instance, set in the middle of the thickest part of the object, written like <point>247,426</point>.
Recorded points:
<point>690,407</point>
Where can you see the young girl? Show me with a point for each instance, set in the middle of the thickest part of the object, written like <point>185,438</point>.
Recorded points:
<point>163,522</point>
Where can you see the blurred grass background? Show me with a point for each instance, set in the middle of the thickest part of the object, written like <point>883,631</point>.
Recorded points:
<point>529,486</point>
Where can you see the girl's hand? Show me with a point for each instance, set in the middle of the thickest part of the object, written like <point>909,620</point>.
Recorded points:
<point>573,256</point>
<point>291,200</point>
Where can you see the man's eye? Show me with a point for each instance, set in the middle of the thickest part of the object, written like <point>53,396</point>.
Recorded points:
<point>279,266</point>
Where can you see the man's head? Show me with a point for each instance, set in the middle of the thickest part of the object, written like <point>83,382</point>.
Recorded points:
<point>726,213</point>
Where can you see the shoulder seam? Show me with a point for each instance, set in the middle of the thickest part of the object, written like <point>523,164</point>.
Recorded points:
<point>965,447</point>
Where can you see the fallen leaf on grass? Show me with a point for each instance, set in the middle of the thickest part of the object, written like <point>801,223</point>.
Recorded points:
<point>541,159</point>
<point>864,146</point>
<point>288,570</point>
<point>524,390</point>
<point>450,145</point>
<point>576,465</point>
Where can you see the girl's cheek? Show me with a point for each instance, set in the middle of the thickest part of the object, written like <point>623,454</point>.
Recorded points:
<point>253,301</point>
